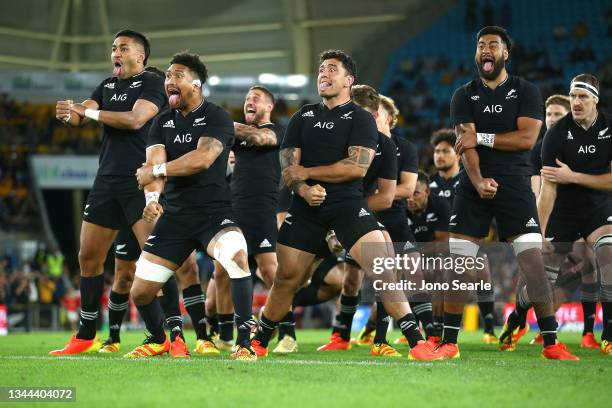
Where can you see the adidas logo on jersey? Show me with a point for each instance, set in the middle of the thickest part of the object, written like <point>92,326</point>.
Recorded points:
<point>169,124</point>
<point>136,84</point>
<point>347,115</point>
<point>363,213</point>
<point>226,221</point>
<point>265,244</point>
<point>309,114</point>
<point>408,245</point>
<point>569,135</point>
<point>531,223</point>
<point>433,184</point>
<point>511,94</point>
<point>110,85</point>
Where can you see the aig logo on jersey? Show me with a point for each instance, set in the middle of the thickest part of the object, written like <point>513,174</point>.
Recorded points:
<point>120,97</point>
<point>186,138</point>
<point>324,125</point>
<point>493,109</point>
<point>587,149</point>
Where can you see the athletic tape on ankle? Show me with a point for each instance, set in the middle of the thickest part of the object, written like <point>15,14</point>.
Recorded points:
<point>226,247</point>
<point>149,271</point>
<point>458,246</point>
<point>527,241</point>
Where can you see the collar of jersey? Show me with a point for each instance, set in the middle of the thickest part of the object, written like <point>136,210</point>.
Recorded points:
<point>178,112</point>
<point>345,104</point>
<point>130,78</point>
<point>265,124</point>
<point>592,124</point>
<point>502,83</point>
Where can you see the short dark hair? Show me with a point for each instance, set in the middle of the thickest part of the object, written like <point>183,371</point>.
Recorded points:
<point>347,61</point>
<point>444,135</point>
<point>140,38</point>
<point>265,90</point>
<point>193,62</point>
<point>422,177</point>
<point>156,71</point>
<point>366,97</point>
<point>496,30</point>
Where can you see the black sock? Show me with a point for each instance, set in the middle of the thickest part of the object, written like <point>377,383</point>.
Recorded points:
<point>91,292</point>
<point>242,297</point>
<point>548,329</point>
<point>452,324</point>
<point>438,326</point>
<point>194,301</point>
<point>265,329</point>
<point>521,308</point>
<point>286,327</point>
<point>153,316</point>
<point>307,296</point>
<point>169,302</point>
<point>487,310</point>
<point>410,329</point>
<point>117,305</point>
<point>348,307</point>
<point>337,324</point>
<point>588,311</point>
<point>370,325</point>
<point>382,324</point>
<point>424,313</point>
<point>606,309</point>
<point>213,322</point>
<point>226,327</point>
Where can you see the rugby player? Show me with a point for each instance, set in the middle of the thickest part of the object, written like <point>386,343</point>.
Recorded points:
<point>497,118</point>
<point>189,145</point>
<point>326,152</point>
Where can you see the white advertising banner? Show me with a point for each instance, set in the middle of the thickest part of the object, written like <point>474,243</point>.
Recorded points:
<point>64,172</point>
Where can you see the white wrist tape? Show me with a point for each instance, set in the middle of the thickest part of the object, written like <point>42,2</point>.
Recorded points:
<point>152,196</point>
<point>159,170</point>
<point>93,114</point>
<point>485,139</point>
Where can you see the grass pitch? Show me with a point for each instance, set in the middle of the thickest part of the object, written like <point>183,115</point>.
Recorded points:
<point>483,376</point>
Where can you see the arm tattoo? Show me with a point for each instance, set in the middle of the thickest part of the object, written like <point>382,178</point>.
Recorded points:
<point>359,156</point>
<point>213,146</point>
<point>254,136</point>
<point>288,157</point>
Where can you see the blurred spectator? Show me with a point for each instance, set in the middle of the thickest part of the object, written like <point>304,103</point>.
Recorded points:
<point>19,299</point>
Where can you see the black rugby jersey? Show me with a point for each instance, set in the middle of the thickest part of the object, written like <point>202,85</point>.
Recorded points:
<point>497,111</point>
<point>408,161</point>
<point>180,134</point>
<point>433,218</point>
<point>257,173</point>
<point>123,150</point>
<point>584,151</point>
<point>443,188</point>
<point>324,136</point>
<point>383,166</point>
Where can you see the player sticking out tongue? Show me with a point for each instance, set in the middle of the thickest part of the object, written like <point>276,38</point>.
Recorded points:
<point>118,68</point>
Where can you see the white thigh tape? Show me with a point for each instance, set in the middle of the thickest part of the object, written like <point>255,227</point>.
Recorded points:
<point>150,271</point>
<point>458,246</point>
<point>226,247</point>
<point>527,241</point>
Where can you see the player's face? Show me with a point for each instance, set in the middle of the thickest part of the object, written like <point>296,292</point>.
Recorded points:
<point>583,104</point>
<point>256,105</point>
<point>553,114</point>
<point>332,78</point>
<point>126,56</point>
<point>445,156</point>
<point>382,118</point>
<point>418,202</point>
<point>179,86</point>
<point>491,56</point>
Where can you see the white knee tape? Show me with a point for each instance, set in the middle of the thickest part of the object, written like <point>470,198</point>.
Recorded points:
<point>527,241</point>
<point>226,247</point>
<point>458,246</point>
<point>150,271</point>
<point>601,241</point>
